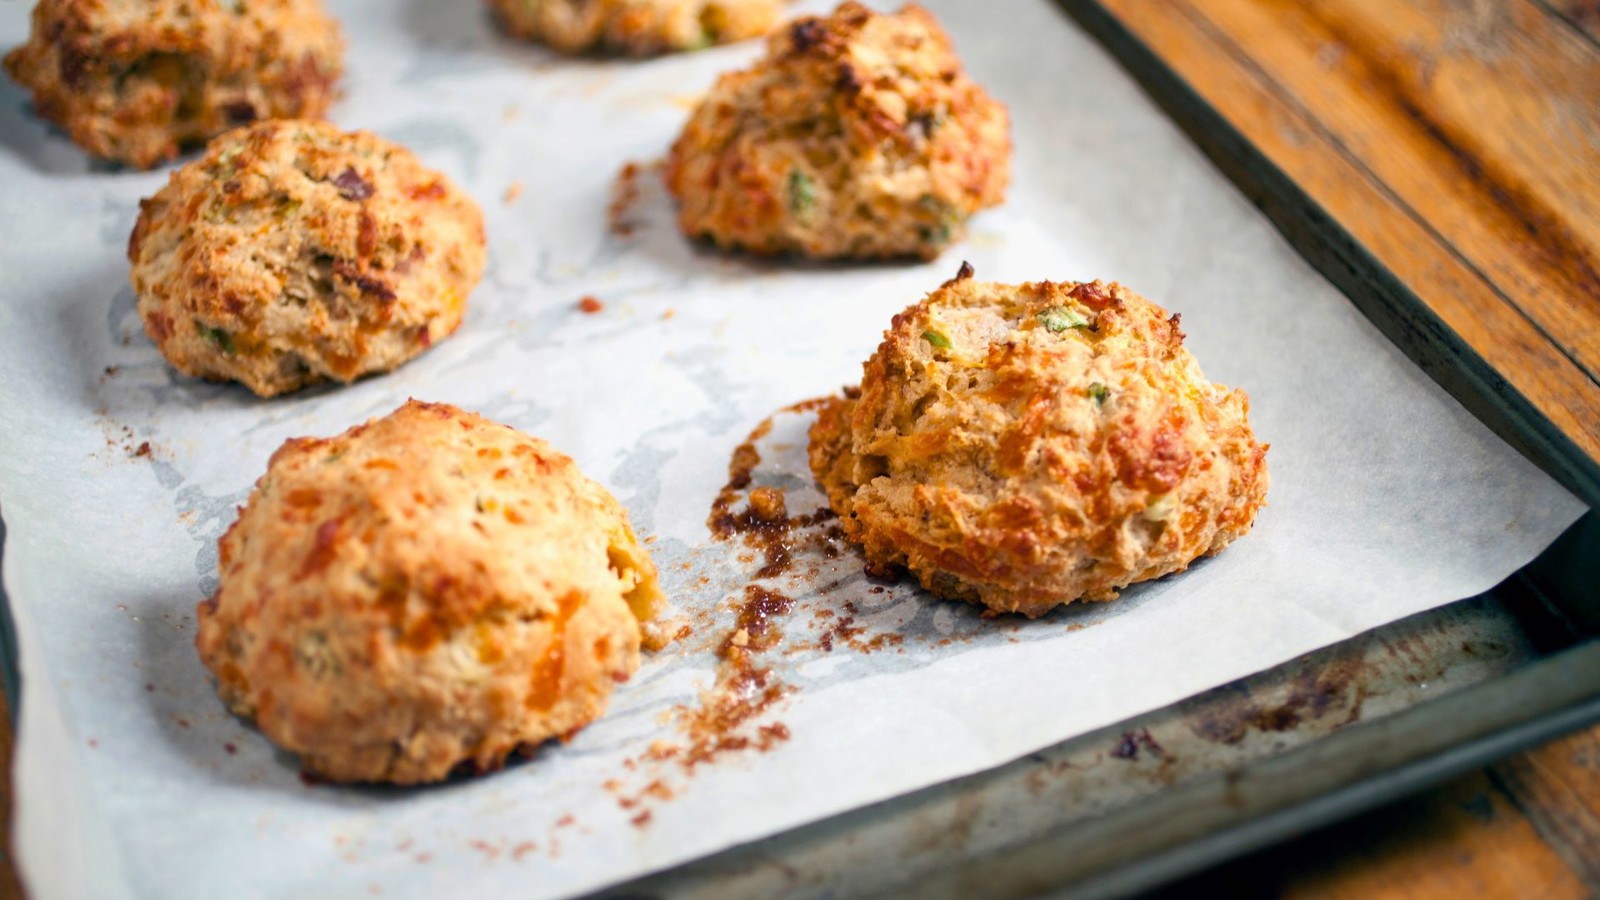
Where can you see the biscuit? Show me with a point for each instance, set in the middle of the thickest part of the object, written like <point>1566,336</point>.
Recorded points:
<point>422,594</point>
<point>858,135</point>
<point>137,81</point>
<point>636,27</point>
<point>1025,446</point>
<point>293,253</point>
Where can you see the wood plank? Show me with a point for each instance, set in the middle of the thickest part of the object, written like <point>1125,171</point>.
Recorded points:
<point>10,886</point>
<point>1582,15</point>
<point>1227,75</point>
<point>1463,839</point>
<point>1557,787</point>
<point>1459,143</point>
<point>1483,119</point>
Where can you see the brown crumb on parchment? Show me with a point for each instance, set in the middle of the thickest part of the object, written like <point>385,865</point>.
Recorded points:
<point>625,195</point>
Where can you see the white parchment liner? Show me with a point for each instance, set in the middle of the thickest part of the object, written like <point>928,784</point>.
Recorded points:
<point>1387,497</point>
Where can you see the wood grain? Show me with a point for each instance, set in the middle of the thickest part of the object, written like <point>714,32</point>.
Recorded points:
<point>1457,147</point>
<point>10,887</point>
<point>1457,142</point>
<point>1582,15</point>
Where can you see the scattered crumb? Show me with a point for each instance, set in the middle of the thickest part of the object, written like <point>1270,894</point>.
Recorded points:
<point>513,191</point>
<point>668,313</point>
<point>232,750</point>
<point>642,819</point>
<point>591,305</point>
<point>523,849</point>
<point>625,195</point>
<point>509,114</point>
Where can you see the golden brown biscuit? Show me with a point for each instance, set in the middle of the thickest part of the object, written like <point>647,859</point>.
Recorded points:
<point>294,253</point>
<point>425,591</point>
<point>1025,446</point>
<point>858,135</point>
<point>636,27</point>
<point>138,80</point>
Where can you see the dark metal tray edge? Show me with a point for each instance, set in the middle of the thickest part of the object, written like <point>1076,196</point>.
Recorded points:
<point>1382,297</point>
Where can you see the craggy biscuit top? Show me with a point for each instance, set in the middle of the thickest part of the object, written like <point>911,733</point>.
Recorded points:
<point>636,27</point>
<point>293,253</point>
<point>138,80</point>
<point>427,590</point>
<point>1023,446</point>
<point>857,135</point>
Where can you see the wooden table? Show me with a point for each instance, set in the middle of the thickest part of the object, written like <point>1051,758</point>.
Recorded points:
<point>1458,143</point>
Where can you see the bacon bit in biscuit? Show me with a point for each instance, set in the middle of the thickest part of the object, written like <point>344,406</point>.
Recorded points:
<point>590,305</point>
<point>352,186</point>
<point>849,82</point>
<point>1092,294</point>
<point>807,33</point>
<point>513,191</point>
<point>433,190</point>
<point>368,284</point>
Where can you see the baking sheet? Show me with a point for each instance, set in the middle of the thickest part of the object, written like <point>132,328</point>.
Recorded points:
<point>132,780</point>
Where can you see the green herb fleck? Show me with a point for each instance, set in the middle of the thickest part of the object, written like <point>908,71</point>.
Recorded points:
<point>937,339</point>
<point>1060,318</point>
<point>287,207</point>
<point>1099,393</point>
<point>802,193</point>
<point>224,166</point>
<point>947,220</point>
<point>222,339</point>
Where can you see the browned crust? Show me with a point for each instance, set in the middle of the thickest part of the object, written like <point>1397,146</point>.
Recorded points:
<point>137,82</point>
<point>293,253</point>
<point>1020,467</point>
<point>637,27</point>
<point>857,135</point>
<point>425,592</point>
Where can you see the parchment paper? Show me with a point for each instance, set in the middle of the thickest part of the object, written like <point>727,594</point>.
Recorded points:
<point>1387,497</point>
